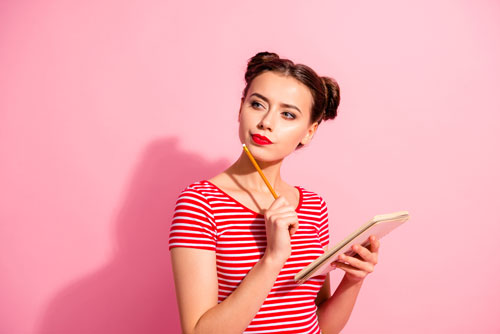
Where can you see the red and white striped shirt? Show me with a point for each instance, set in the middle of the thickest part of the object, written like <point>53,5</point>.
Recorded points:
<point>206,217</point>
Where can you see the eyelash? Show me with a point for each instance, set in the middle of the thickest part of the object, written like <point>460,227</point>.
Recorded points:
<point>255,102</point>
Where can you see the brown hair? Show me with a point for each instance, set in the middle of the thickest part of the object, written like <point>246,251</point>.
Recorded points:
<point>325,90</point>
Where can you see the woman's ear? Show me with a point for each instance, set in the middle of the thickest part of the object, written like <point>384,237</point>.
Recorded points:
<point>310,133</point>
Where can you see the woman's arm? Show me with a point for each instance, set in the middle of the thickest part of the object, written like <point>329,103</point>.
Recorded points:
<point>195,275</point>
<point>334,312</point>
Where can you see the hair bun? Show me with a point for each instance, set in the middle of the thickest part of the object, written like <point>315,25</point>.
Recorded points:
<point>332,98</point>
<point>263,57</point>
<point>260,61</point>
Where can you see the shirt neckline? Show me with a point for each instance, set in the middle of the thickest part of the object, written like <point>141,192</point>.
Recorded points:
<point>299,205</point>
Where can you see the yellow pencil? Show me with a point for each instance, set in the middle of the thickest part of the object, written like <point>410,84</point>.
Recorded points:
<point>259,170</point>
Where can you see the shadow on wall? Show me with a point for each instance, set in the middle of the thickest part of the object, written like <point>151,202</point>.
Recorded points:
<point>134,292</point>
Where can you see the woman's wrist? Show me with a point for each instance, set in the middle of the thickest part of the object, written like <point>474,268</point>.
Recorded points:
<point>350,280</point>
<point>274,262</point>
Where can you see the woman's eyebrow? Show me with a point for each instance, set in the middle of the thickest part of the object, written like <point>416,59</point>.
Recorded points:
<point>286,105</point>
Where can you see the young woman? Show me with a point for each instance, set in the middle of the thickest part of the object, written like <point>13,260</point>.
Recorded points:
<point>235,249</point>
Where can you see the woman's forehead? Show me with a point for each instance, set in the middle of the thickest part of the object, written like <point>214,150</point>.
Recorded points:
<point>279,88</point>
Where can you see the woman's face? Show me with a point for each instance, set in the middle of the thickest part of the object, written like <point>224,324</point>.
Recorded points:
<point>279,108</point>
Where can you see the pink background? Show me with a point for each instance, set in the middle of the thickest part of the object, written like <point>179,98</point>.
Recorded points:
<point>108,109</point>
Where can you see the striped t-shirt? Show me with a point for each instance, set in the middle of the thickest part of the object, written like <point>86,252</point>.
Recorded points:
<point>206,217</point>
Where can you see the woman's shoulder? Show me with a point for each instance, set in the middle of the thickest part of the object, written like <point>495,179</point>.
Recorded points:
<point>195,195</point>
<point>310,194</point>
<point>199,186</point>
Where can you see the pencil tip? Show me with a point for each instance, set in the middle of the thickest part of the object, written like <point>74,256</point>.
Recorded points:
<point>244,145</point>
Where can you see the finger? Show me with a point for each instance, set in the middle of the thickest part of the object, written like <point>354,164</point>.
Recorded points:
<point>278,202</point>
<point>276,218</point>
<point>351,270</point>
<point>374,244</point>
<point>343,266</point>
<point>275,205</point>
<point>282,209</point>
<point>291,223</point>
<point>293,228</point>
<point>356,263</point>
<point>364,253</point>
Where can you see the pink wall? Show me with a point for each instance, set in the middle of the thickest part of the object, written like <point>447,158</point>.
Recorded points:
<point>109,108</point>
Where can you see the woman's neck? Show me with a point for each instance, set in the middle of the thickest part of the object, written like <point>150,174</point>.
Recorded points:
<point>244,174</point>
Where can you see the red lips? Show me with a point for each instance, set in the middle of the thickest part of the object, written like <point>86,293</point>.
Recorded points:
<point>262,140</point>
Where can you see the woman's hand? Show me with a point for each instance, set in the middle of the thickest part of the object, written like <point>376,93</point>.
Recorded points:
<point>281,223</point>
<point>359,266</point>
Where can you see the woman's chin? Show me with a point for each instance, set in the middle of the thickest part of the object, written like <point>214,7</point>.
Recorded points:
<point>267,158</point>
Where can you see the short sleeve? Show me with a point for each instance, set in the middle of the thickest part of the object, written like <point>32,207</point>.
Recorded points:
<point>324,230</point>
<point>193,222</point>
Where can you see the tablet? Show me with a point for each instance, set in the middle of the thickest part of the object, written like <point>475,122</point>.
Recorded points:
<point>379,226</point>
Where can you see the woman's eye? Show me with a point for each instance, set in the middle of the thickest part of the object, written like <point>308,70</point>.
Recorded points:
<point>255,104</point>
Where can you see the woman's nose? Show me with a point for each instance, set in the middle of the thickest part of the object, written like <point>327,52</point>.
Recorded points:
<point>267,121</point>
